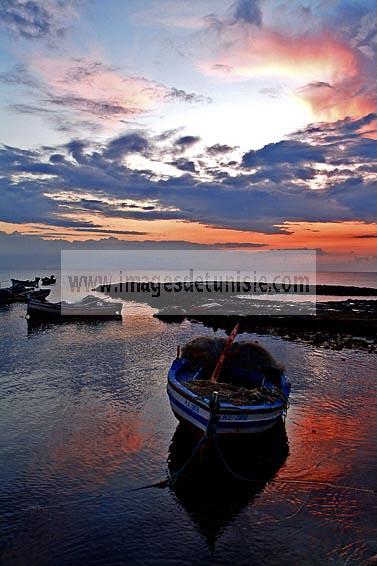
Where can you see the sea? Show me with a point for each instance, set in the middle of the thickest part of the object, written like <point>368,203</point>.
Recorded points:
<point>87,436</point>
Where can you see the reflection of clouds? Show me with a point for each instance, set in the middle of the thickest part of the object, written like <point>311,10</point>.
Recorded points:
<point>98,445</point>
<point>330,432</point>
<point>325,440</point>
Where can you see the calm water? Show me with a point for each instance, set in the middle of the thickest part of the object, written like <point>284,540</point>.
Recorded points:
<point>84,418</point>
<point>356,279</point>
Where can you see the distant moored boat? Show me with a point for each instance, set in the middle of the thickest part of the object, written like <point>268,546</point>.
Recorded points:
<point>89,307</point>
<point>26,282</point>
<point>19,293</point>
<point>49,280</point>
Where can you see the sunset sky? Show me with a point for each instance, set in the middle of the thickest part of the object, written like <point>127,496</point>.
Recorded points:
<point>253,121</point>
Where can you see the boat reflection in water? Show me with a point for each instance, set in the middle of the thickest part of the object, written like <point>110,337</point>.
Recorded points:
<point>211,496</point>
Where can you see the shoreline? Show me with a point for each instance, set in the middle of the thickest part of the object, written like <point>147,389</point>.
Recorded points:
<point>336,325</point>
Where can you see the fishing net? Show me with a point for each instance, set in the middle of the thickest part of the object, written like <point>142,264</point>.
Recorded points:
<point>234,395</point>
<point>205,351</point>
<point>246,370</point>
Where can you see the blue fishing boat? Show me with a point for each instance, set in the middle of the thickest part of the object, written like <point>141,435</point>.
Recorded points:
<point>191,409</point>
<point>266,404</point>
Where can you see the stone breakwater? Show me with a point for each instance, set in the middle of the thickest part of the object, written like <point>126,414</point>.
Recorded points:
<point>336,325</point>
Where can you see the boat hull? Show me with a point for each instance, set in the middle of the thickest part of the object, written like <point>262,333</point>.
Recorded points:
<point>193,411</point>
<point>37,309</point>
<point>26,283</point>
<point>10,295</point>
<point>48,281</point>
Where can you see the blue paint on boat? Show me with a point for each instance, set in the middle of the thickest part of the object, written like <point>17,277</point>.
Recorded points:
<point>193,410</point>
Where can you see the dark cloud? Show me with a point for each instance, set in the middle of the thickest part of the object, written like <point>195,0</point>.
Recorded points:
<point>219,149</point>
<point>190,97</point>
<point>242,16</point>
<point>35,19</point>
<point>319,84</point>
<point>185,165</point>
<point>287,151</point>
<point>366,236</point>
<point>99,108</point>
<point>30,109</point>
<point>322,174</point>
<point>56,158</point>
<point>187,141</point>
<point>19,75</point>
<point>247,11</point>
<point>123,145</point>
<point>106,231</point>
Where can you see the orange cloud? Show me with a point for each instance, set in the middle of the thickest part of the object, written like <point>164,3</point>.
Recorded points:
<point>269,53</point>
<point>332,237</point>
<point>333,103</point>
<point>328,66</point>
<point>369,130</point>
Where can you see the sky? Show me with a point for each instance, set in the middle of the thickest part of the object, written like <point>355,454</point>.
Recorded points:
<point>247,122</point>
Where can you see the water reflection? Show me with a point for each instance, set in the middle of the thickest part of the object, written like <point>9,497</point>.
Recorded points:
<point>101,442</point>
<point>36,325</point>
<point>210,495</point>
<point>85,418</point>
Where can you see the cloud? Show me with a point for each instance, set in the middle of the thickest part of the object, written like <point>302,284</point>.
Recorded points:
<point>323,173</point>
<point>185,142</point>
<point>31,109</point>
<point>19,75</point>
<point>319,57</point>
<point>326,57</point>
<point>366,236</point>
<point>219,149</point>
<point>83,93</point>
<point>15,248</point>
<point>241,17</point>
<point>91,230</point>
<point>190,97</point>
<point>247,11</point>
<point>284,152</point>
<point>95,90</point>
<point>185,165</point>
<point>37,19</point>
<point>123,145</point>
<point>349,97</point>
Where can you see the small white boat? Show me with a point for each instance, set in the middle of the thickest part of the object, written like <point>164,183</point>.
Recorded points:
<point>26,282</point>
<point>89,307</point>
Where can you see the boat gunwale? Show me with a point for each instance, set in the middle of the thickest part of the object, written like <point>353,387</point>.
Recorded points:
<point>224,408</point>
